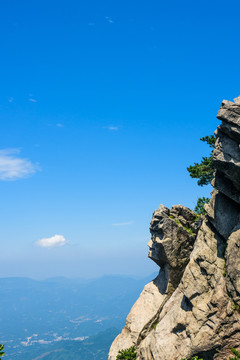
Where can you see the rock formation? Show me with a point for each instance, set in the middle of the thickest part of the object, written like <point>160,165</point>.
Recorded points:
<point>192,308</point>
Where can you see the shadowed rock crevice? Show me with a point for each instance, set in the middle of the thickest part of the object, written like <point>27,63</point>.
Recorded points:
<point>161,281</point>
<point>186,304</point>
<point>206,355</point>
<point>179,328</point>
<point>226,187</point>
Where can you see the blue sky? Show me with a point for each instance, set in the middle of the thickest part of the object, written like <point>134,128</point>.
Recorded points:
<point>102,104</point>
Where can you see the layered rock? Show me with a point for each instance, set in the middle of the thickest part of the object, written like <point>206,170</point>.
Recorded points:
<point>192,307</point>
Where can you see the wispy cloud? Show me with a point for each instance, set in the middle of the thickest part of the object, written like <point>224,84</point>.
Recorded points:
<point>109,19</point>
<point>91,24</point>
<point>123,223</point>
<point>13,167</point>
<point>54,241</point>
<point>10,99</point>
<point>32,100</point>
<point>111,128</point>
<point>60,125</point>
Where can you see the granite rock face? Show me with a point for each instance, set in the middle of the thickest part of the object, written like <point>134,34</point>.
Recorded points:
<point>173,234</point>
<point>193,307</point>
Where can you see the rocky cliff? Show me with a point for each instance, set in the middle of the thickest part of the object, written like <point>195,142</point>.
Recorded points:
<point>192,308</point>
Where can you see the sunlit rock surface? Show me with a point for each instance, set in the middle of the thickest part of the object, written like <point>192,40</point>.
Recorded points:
<point>192,307</point>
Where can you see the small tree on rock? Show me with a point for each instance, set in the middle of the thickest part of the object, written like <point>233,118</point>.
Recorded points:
<point>235,353</point>
<point>127,354</point>
<point>204,171</point>
<point>2,353</point>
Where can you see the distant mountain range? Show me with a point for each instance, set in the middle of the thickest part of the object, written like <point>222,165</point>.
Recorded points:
<point>58,316</point>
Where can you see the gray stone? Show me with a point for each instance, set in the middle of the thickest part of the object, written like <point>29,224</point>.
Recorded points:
<point>226,158</point>
<point>229,112</point>
<point>233,265</point>
<point>172,238</point>
<point>230,130</point>
<point>226,187</point>
<point>237,100</point>
<point>223,213</point>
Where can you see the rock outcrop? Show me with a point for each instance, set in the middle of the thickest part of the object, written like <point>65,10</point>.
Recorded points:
<point>192,308</point>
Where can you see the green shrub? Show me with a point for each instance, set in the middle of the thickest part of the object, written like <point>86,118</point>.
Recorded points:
<point>2,353</point>
<point>190,231</point>
<point>236,353</point>
<point>127,354</point>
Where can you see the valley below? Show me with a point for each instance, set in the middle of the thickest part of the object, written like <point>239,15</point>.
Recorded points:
<point>62,318</point>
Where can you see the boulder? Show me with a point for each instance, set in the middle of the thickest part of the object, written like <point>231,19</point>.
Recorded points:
<point>223,213</point>
<point>226,187</point>
<point>226,158</point>
<point>230,112</point>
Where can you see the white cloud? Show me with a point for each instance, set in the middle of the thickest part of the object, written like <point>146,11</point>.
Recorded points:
<point>123,223</point>
<point>60,125</point>
<point>32,100</point>
<point>54,241</point>
<point>13,167</point>
<point>109,19</point>
<point>111,128</point>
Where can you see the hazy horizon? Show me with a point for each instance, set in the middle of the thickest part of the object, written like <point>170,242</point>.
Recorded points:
<point>90,278</point>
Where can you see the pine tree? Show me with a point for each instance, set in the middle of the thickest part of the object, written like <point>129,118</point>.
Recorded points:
<point>204,171</point>
<point>2,353</point>
<point>236,354</point>
<point>127,354</point>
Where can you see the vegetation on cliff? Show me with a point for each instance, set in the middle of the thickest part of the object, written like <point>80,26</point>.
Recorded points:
<point>204,171</point>
<point>236,354</point>
<point>127,354</point>
<point>2,353</point>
